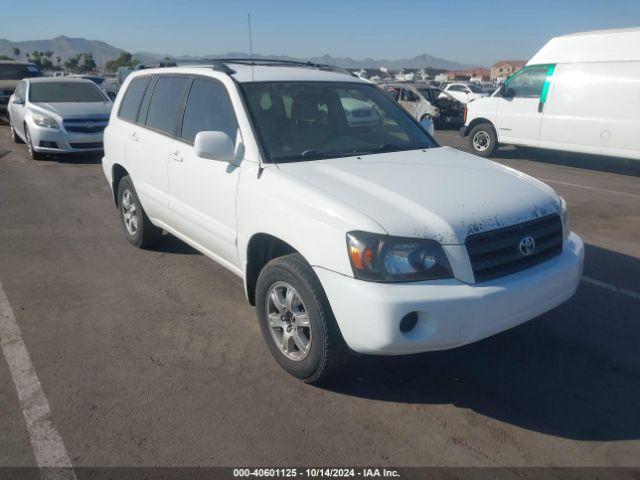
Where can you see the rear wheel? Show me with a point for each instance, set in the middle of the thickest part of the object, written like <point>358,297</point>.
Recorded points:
<point>483,140</point>
<point>32,153</point>
<point>137,226</point>
<point>297,322</point>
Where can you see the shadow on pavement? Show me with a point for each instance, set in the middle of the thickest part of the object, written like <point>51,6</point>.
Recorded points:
<point>621,166</point>
<point>171,244</point>
<point>573,372</point>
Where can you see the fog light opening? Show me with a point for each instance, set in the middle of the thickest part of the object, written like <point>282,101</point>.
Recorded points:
<point>409,322</point>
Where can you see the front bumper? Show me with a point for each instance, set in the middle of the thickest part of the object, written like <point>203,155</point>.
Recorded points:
<point>66,142</point>
<point>450,313</point>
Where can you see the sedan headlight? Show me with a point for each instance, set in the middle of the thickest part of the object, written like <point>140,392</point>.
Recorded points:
<point>383,258</point>
<point>45,121</point>
<point>565,217</point>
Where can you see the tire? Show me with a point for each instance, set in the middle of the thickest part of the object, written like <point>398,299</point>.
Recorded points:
<point>32,153</point>
<point>326,352</point>
<point>483,140</point>
<point>426,117</point>
<point>14,135</point>
<point>138,229</point>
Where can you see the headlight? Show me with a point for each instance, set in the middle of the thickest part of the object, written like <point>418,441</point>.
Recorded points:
<point>382,258</point>
<point>565,218</point>
<point>45,121</point>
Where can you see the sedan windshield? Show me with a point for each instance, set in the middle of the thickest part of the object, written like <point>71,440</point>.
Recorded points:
<point>58,92</point>
<point>298,121</point>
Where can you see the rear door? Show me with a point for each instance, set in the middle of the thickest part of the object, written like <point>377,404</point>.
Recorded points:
<point>147,149</point>
<point>520,109</point>
<point>410,101</point>
<point>203,191</point>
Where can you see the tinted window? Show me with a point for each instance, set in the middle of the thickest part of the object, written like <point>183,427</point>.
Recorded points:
<point>12,71</point>
<point>62,92</point>
<point>165,103</point>
<point>208,108</point>
<point>131,101</point>
<point>527,83</point>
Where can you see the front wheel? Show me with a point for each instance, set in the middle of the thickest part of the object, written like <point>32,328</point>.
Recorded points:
<point>14,135</point>
<point>297,322</point>
<point>483,140</point>
<point>32,153</point>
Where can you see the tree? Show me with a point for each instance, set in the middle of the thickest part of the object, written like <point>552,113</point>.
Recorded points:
<point>4,57</point>
<point>71,64</point>
<point>16,52</point>
<point>58,60</point>
<point>124,60</point>
<point>88,63</point>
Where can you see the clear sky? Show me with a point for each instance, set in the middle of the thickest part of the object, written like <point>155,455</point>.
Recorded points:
<point>468,31</point>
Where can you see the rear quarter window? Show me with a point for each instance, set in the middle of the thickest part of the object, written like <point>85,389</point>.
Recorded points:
<point>132,98</point>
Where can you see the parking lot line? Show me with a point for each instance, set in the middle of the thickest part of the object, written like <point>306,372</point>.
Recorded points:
<point>612,288</point>
<point>596,189</point>
<point>48,447</point>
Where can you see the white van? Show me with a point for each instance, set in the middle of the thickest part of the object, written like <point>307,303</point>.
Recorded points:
<point>579,93</point>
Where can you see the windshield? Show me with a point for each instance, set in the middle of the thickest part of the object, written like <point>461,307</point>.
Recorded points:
<point>9,71</point>
<point>475,88</point>
<point>55,92</point>
<point>299,121</point>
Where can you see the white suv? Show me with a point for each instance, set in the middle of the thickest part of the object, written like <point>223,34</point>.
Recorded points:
<point>361,236</point>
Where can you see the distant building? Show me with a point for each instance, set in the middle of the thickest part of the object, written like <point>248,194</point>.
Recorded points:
<point>469,75</point>
<point>504,68</point>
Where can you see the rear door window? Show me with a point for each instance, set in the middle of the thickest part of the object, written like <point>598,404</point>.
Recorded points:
<point>166,103</point>
<point>132,98</point>
<point>209,108</point>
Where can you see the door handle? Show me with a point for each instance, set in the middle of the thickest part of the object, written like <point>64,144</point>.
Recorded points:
<point>134,137</point>
<point>175,156</point>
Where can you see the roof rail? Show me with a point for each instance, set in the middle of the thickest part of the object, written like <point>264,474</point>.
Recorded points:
<point>281,62</point>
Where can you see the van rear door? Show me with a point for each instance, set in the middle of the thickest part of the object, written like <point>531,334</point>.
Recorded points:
<point>520,109</point>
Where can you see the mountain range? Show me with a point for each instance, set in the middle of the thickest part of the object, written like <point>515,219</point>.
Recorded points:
<point>66,47</point>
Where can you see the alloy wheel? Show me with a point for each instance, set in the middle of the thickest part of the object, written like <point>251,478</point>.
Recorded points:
<point>129,212</point>
<point>288,321</point>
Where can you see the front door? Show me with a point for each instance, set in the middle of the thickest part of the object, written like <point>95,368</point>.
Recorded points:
<point>520,109</point>
<point>203,191</point>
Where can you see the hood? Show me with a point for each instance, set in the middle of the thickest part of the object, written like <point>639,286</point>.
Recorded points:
<point>440,193</point>
<point>76,109</point>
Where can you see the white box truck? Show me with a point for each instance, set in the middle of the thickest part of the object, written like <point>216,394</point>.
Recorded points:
<point>579,93</point>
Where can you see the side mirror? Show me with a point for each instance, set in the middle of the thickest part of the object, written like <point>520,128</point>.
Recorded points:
<point>214,145</point>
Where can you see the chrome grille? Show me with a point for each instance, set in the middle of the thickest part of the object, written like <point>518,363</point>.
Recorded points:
<point>496,253</point>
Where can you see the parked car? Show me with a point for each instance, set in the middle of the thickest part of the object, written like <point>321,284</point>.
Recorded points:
<point>10,74</point>
<point>359,112</point>
<point>465,93</point>
<point>58,116</point>
<point>450,110</point>
<point>412,100</point>
<point>369,238</point>
<point>579,93</point>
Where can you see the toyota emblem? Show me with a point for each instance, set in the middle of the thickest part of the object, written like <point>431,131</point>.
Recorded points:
<point>527,246</point>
